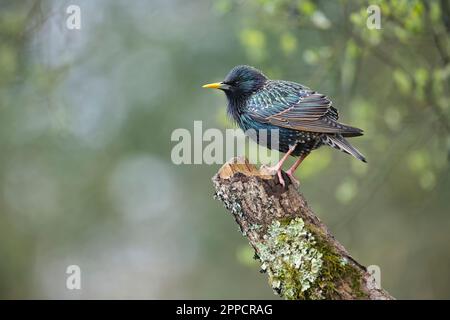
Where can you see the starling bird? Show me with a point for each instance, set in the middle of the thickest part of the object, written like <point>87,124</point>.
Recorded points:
<point>306,119</point>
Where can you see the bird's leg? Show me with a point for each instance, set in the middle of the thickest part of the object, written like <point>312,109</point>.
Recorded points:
<point>294,167</point>
<point>278,166</point>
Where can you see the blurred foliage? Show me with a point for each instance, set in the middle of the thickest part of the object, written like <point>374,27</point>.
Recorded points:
<point>86,118</point>
<point>357,54</point>
<point>393,82</point>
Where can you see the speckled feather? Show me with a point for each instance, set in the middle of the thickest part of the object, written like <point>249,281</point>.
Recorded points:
<point>304,117</point>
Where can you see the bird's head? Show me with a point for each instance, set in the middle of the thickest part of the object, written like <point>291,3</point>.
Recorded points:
<point>240,82</point>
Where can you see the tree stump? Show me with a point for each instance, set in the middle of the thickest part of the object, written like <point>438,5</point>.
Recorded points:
<point>301,257</point>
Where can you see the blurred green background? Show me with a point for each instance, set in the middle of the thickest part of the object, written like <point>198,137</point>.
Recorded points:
<point>86,117</point>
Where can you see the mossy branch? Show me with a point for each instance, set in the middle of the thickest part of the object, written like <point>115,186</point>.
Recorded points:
<point>301,257</point>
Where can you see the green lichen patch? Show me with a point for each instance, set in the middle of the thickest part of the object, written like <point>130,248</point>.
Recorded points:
<point>302,265</point>
<point>289,256</point>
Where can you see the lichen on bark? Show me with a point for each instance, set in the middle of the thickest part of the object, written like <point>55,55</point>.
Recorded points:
<point>289,257</point>
<point>302,258</point>
<point>300,265</point>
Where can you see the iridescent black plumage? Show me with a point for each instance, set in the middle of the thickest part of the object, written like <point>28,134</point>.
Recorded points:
<point>305,119</point>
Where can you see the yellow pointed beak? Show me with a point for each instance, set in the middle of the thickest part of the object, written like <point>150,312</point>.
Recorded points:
<point>215,85</point>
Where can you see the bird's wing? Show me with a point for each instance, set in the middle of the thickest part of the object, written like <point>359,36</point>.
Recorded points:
<point>289,105</point>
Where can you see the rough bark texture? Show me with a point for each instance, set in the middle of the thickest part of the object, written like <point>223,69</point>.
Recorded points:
<point>302,258</point>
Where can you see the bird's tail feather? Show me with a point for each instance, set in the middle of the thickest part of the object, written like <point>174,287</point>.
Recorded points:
<point>349,131</point>
<point>337,141</point>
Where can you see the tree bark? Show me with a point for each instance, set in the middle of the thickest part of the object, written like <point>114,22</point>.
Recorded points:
<point>302,258</point>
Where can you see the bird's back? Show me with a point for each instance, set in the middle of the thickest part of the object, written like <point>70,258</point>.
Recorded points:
<point>302,116</point>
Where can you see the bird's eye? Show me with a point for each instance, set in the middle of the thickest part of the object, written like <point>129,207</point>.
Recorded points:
<point>233,83</point>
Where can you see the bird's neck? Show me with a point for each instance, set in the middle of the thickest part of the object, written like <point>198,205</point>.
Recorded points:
<point>236,106</point>
<point>237,101</point>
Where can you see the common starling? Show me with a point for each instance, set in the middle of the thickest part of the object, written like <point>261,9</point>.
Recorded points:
<point>306,119</point>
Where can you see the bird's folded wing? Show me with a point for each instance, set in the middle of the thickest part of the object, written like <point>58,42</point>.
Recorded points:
<point>311,112</point>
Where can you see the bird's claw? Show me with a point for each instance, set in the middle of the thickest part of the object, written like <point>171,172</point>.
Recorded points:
<point>280,178</point>
<point>275,170</point>
<point>294,180</point>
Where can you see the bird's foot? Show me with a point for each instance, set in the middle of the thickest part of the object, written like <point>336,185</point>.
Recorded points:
<point>280,178</point>
<point>291,176</point>
<point>274,170</point>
